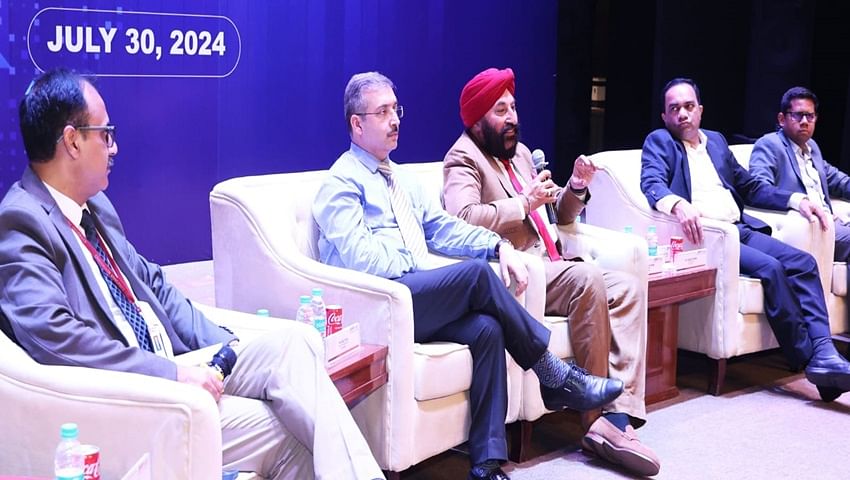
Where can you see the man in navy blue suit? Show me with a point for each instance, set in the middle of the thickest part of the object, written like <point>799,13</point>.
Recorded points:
<point>691,173</point>
<point>790,159</point>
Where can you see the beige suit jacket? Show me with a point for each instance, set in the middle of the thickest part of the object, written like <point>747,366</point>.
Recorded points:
<point>476,190</point>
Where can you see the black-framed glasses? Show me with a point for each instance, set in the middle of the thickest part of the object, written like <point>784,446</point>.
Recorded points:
<point>109,129</point>
<point>384,112</point>
<point>798,116</point>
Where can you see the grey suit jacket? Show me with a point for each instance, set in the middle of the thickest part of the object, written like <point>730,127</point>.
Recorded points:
<point>774,161</point>
<point>50,300</point>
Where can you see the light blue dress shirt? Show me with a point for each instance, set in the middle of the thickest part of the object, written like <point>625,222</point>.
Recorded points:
<point>358,230</point>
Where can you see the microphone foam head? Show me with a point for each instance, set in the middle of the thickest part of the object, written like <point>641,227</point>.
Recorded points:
<point>538,158</point>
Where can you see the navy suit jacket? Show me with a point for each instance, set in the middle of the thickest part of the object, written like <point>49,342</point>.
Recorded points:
<point>665,171</point>
<point>774,161</point>
<point>51,303</point>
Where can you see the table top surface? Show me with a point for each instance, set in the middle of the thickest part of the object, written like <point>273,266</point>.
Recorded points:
<point>679,275</point>
<point>355,359</point>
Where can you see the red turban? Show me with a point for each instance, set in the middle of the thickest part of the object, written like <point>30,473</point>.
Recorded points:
<point>480,94</point>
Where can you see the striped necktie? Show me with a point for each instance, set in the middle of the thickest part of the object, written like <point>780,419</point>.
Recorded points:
<point>411,230</point>
<point>131,313</point>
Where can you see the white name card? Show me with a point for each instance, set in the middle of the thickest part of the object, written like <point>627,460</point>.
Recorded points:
<point>691,259</point>
<point>656,264</point>
<point>342,341</point>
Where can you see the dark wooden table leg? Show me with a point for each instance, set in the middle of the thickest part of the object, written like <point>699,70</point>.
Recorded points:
<point>717,374</point>
<point>520,438</point>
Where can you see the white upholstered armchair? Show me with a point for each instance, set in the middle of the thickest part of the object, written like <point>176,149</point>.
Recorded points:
<point>606,248</point>
<point>264,256</point>
<point>822,246</point>
<point>731,322</point>
<point>127,415</point>
<point>264,252</point>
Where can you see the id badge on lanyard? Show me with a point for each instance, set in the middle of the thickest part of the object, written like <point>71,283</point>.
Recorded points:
<point>159,338</point>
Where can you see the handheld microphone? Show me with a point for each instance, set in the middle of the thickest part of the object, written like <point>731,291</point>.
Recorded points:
<point>538,158</point>
<point>223,361</point>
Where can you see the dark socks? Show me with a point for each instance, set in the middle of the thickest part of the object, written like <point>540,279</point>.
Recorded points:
<point>620,420</point>
<point>551,370</point>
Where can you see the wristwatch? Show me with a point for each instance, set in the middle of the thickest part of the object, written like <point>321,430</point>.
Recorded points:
<point>499,246</point>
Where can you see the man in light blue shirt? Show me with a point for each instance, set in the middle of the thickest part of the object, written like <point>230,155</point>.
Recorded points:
<point>374,217</point>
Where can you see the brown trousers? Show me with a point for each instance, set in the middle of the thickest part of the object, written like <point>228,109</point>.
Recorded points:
<point>607,326</point>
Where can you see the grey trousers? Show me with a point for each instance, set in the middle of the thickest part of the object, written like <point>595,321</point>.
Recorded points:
<point>301,428</point>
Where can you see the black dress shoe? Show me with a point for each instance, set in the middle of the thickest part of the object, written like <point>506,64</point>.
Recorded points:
<point>828,394</point>
<point>581,391</point>
<point>477,473</point>
<point>829,370</point>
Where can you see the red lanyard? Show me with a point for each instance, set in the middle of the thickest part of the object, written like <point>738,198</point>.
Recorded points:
<point>111,269</point>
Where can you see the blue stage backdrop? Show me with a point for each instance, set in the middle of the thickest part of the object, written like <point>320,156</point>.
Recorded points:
<point>202,91</point>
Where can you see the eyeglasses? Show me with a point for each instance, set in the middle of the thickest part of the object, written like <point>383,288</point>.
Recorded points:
<point>385,112</point>
<point>109,129</point>
<point>798,116</point>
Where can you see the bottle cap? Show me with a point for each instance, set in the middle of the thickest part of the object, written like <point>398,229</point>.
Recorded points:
<point>263,312</point>
<point>304,299</point>
<point>317,292</point>
<point>69,430</point>
<point>628,229</point>
<point>652,228</point>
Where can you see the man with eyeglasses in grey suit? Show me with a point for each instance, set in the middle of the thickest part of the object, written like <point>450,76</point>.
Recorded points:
<point>792,160</point>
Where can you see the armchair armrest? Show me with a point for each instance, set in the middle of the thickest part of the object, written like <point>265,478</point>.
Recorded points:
<point>126,414</point>
<point>841,209</point>
<point>610,249</point>
<point>792,228</point>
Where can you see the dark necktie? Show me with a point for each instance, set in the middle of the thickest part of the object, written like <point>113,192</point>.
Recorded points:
<point>542,230</point>
<point>131,313</point>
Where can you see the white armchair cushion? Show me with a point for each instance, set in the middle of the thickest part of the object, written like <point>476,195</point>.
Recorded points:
<point>750,296</point>
<point>839,279</point>
<point>559,342</point>
<point>441,369</point>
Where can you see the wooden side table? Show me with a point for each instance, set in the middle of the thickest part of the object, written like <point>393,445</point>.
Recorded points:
<point>359,372</point>
<point>665,295</point>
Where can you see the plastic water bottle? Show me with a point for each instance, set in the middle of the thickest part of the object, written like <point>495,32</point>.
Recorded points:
<point>68,462</point>
<point>320,314</point>
<point>652,241</point>
<point>305,311</point>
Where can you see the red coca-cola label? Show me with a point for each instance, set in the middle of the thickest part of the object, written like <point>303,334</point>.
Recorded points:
<point>91,462</point>
<point>677,245</point>
<point>334,319</point>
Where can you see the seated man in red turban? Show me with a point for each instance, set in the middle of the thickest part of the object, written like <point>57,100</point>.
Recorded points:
<point>490,181</point>
<point>374,217</point>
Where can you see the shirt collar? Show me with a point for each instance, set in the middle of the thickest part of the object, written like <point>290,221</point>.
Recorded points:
<point>798,150</point>
<point>69,208</point>
<point>703,143</point>
<point>367,159</point>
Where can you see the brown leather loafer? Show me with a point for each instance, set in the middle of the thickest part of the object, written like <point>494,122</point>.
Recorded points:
<point>621,448</point>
